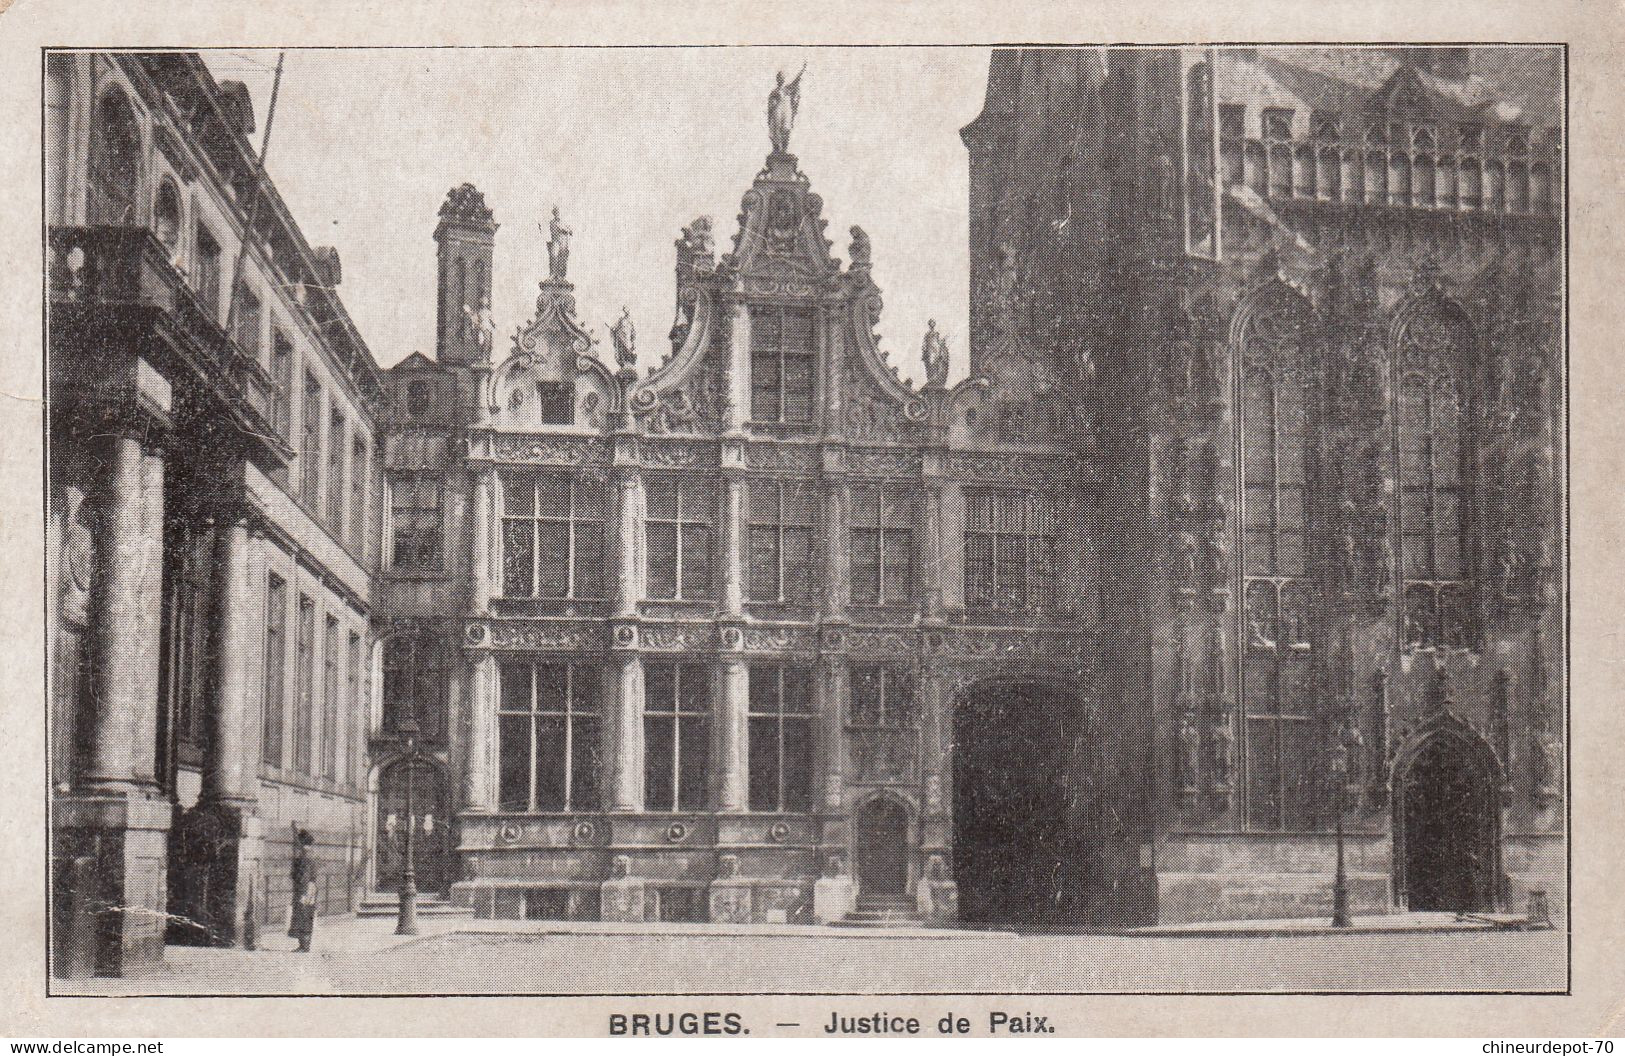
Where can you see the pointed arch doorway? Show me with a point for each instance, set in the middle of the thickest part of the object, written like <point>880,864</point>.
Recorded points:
<point>1447,824</point>
<point>1023,853</point>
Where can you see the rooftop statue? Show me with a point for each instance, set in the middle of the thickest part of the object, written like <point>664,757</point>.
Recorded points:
<point>934,353</point>
<point>558,248</point>
<point>625,336</point>
<point>782,104</point>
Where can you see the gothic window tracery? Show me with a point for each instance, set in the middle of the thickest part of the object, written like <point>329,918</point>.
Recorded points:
<point>1282,606</point>
<point>1430,514</point>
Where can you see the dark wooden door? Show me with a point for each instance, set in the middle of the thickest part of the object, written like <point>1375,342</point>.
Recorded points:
<point>882,850</point>
<point>431,852</point>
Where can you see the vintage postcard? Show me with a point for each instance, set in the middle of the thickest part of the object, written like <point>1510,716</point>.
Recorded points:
<point>781,521</point>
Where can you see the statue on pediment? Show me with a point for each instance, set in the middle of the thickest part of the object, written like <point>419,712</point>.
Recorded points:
<point>782,104</point>
<point>861,252</point>
<point>558,248</point>
<point>625,335</point>
<point>934,353</point>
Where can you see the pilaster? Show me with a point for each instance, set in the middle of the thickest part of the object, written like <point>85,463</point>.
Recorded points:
<point>626,760</point>
<point>732,744</point>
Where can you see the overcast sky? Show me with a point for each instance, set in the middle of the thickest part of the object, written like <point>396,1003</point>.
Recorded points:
<point>632,144</point>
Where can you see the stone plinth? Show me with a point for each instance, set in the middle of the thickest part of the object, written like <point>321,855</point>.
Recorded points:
<point>216,860</point>
<point>833,898</point>
<point>110,896</point>
<point>937,900</point>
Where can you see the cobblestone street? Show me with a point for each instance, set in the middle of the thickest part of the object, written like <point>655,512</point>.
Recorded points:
<point>507,957</point>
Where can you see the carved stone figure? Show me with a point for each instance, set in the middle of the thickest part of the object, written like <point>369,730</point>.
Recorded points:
<point>697,237</point>
<point>934,353</point>
<point>782,104</point>
<point>625,335</point>
<point>620,867</point>
<point>1007,286</point>
<point>860,251</point>
<point>1188,761</point>
<point>558,248</point>
<point>728,866</point>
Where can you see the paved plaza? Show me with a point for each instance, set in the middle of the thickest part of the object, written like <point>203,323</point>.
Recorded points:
<point>363,956</point>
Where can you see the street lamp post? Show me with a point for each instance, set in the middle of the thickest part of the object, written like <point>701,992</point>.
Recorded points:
<point>1340,881</point>
<point>406,920</point>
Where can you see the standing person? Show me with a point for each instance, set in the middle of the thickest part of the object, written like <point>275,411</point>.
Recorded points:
<point>302,921</point>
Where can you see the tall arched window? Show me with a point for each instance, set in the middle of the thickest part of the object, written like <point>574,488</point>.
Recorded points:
<point>1424,191</point>
<point>1399,180</point>
<point>1331,176</point>
<point>1303,165</point>
<point>1447,183</point>
<point>1430,509</point>
<point>1540,188</point>
<point>1494,187</point>
<point>1517,188</point>
<point>415,683</point>
<point>115,162</point>
<point>1280,171</point>
<point>1469,185</point>
<point>1353,177</point>
<point>1376,179</point>
<point>1281,606</point>
<point>1257,169</point>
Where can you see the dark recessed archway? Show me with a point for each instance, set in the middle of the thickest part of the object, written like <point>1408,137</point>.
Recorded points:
<point>1446,825</point>
<point>1022,854</point>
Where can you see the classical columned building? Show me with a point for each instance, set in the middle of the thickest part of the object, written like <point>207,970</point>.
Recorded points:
<point>212,502</point>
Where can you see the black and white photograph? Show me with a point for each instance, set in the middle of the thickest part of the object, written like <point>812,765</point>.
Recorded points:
<point>1032,519</point>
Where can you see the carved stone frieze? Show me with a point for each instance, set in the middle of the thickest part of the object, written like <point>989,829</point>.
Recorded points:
<point>882,643</point>
<point>549,450</point>
<point>676,454</point>
<point>882,462</point>
<point>678,637</point>
<point>778,639</point>
<point>545,634</point>
<point>792,458</point>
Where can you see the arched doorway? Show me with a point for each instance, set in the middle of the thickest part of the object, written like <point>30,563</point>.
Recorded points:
<point>1446,825</point>
<point>432,850</point>
<point>1022,852</point>
<point>882,852</point>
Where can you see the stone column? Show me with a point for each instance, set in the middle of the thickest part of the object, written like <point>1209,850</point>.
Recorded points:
<point>231,763</point>
<point>110,835</point>
<point>831,731</point>
<point>733,546</point>
<point>837,550</point>
<point>626,761</point>
<point>736,408</point>
<point>123,739</point>
<point>480,791</point>
<point>951,574</point>
<point>481,588</point>
<point>931,549</point>
<point>628,522</point>
<point>733,744</point>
